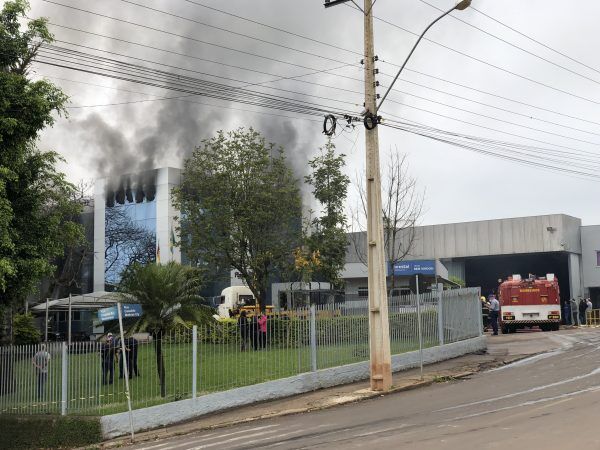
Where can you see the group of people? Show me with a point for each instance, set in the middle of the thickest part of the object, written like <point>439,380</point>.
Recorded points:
<point>253,330</point>
<point>111,351</point>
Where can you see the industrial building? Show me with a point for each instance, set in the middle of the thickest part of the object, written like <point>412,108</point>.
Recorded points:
<point>480,253</point>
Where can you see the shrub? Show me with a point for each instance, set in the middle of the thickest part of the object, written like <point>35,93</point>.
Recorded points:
<point>24,330</point>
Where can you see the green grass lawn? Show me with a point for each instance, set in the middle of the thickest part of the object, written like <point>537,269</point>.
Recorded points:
<point>220,366</point>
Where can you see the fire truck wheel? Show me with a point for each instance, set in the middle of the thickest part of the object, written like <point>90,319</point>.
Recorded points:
<point>505,329</point>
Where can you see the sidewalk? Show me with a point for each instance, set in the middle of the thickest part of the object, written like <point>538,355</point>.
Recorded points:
<point>502,349</point>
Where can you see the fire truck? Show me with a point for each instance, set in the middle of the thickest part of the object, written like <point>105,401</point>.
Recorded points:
<point>530,302</point>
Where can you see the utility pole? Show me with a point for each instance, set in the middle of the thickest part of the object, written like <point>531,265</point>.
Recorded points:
<point>379,334</point>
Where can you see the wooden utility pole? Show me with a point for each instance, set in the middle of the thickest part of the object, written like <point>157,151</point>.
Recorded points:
<point>379,334</point>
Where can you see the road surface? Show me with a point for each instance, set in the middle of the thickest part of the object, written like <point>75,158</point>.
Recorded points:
<point>550,401</point>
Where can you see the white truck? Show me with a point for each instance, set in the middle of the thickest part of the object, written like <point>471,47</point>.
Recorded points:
<point>234,298</point>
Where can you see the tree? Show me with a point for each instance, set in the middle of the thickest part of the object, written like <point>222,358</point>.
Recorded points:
<point>328,232</point>
<point>36,204</point>
<point>240,208</point>
<point>401,210</point>
<point>169,297</point>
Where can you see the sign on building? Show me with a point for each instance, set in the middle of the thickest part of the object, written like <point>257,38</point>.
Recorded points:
<point>408,268</point>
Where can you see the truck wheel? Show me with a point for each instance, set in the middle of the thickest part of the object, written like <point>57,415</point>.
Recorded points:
<point>505,329</point>
<point>556,327</point>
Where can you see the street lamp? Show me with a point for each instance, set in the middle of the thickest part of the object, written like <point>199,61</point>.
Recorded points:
<point>460,6</point>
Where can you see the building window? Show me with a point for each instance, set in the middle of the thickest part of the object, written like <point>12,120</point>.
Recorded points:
<point>363,292</point>
<point>598,258</point>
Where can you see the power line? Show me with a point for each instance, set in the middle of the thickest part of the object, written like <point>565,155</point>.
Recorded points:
<point>351,78</point>
<point>534,40</point>
<point>131,72</point>
<point>204,24</point>
<point>261,84</point>
<point>500,96</point>
<point>502,69</point>
<point>501,120</point>
<point>513,45</point>
<point>181,36</point>
<point>473,145</point>
<point>571,155</point>
<point>490,117</point>
<point>494,129</point>
<point>308,38</point>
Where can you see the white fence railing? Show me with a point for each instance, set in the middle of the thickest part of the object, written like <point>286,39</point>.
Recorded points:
<point>86,377</point>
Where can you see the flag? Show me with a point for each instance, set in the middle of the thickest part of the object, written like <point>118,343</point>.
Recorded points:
<point>172,242</point>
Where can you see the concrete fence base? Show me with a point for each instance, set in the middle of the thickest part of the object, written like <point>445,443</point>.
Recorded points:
<point>115,425</point>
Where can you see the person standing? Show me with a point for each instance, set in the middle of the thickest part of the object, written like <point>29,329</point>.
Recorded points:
<point>582,309</point>
<point>567,312</point>
<point>254,331</point>
<point>107,355</point>
<point>262,325</point>
<point>485,313</point>
<point>132,344</point>
<point>242,323</point>
<point>494,313</point>
<point>41,361</point>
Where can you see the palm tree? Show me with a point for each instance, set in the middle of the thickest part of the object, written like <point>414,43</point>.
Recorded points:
<point>169,295</point>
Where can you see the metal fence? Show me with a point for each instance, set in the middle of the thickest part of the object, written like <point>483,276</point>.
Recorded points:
<point>86,378</point>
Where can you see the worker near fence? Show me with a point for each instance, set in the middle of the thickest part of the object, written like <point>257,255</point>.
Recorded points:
<point>107,356</point>
<point>583,306</point>
<point>41,361</point>
<point>485,313</point>
<point>262,329</point>
<point>494,313</point>
<point>244,329</point>
<point>132,343</point>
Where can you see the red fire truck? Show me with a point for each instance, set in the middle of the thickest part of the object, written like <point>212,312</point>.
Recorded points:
<point>528,303</point>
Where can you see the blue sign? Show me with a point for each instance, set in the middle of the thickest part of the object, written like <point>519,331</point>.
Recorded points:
<point>407,268</point>
<point>127,311</point>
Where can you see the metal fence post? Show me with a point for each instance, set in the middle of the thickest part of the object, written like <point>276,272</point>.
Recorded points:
<point>194,359</point>
<point>64,380</point>
<point>440,313</point>
<point>419,330</point>
<point>313,338</point>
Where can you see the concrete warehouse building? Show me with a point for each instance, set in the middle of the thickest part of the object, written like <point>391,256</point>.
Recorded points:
<point>482,252</point>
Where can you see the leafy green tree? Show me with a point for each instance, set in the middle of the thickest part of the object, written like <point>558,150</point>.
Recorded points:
<point>169,297</point>
<point>36,207</point>
<point>24,330</point>
<point>240,208</point>
<point>328,232</point>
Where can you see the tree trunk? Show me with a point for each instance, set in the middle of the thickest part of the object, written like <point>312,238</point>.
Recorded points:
<point>160,363</point>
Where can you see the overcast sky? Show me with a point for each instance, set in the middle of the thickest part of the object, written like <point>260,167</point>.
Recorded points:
<point>460,185</point>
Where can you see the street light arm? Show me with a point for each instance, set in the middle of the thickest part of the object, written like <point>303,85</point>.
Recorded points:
<point>410,54</point>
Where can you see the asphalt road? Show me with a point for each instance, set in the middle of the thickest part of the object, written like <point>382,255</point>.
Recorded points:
<point>550,401</point>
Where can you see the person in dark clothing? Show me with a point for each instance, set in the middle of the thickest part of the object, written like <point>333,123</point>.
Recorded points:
<point>132,344</point>
<point>107,355</point>
<point>254,332</point>
<point>567,312</point>
<point>582,309</point>
<point>243,329</point>
<point>131,347</point>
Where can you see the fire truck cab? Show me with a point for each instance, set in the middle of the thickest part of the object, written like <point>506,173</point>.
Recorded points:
<point>528,303</point>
